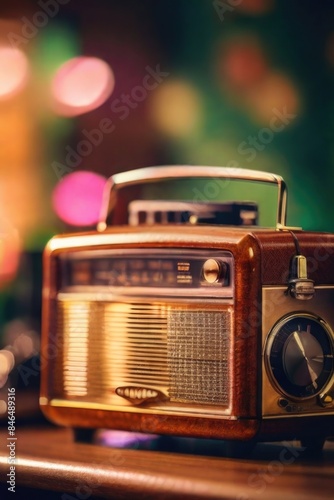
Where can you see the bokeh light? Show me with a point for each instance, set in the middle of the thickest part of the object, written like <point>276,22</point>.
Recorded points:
<point>81,85</point>
<point>241,63</point>
<point>14,71</point>
<point>255,7</point>
<point>24,341</point>
<point>175,108</point>
<point>123,439</point>
<point>10,251</point>
<point>25,345</point>
<point>7,362</point>
<point>275,92</point>
<point>248,81</point>
<point>77,198</point>
<point>3,407</point>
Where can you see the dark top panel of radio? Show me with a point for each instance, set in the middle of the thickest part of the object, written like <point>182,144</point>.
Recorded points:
<point>234,213</point>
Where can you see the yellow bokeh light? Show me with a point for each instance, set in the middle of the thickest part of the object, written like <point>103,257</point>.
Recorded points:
<point>175,108</point>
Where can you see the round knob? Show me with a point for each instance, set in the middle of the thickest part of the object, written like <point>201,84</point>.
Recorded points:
<point>211,271</point>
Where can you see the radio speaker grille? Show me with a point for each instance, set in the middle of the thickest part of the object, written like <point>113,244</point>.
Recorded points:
<point>181,351</point>
<point>198,354</point>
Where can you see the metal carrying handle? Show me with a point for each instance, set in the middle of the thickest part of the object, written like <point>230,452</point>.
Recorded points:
<point>153,174</point>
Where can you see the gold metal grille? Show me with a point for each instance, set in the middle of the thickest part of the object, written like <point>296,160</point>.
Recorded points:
<point>198,354</point>
<point>181,352</point>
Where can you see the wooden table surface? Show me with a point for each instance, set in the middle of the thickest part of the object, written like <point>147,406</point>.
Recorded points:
<point>49,460</point>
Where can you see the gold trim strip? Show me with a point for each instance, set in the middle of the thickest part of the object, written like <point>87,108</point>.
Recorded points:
<point>124,409</point>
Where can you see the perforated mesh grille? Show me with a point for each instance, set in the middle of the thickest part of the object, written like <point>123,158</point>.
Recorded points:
<point>198,354</point>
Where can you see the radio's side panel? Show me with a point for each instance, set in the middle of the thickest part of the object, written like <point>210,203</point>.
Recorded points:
<point>51,348</point>
<point>297,340</point>
<point>246,335</point>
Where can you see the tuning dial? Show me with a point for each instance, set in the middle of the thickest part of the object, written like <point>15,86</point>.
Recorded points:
<point>299,356</point>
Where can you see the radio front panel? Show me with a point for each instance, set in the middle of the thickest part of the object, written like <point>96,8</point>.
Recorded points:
<point>144,332</point>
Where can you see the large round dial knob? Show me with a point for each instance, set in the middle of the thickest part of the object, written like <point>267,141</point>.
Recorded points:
<point>299,355</point>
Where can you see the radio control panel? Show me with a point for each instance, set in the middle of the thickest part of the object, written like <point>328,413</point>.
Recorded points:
<point>298,353</point>
<point>164,269</point>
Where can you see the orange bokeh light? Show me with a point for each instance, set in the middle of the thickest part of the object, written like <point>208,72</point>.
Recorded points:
<point>14,71</point>
<point>10,251</point>
<point>255,6</point>
<point>241,63</point>
<point>247,80</point>
<point>81,85</point>
<point>276,91</point>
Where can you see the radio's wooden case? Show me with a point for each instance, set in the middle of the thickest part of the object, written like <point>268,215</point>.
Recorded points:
<point>191,330</point>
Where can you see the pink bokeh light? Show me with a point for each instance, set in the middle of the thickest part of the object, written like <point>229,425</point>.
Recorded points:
<point>81,85</point>
<point>77,198</point>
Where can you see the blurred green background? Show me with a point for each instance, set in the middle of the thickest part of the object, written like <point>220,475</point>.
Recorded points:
<point>242,83</point>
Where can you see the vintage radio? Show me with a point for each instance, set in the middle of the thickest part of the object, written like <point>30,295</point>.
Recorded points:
<point>191,320</point>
